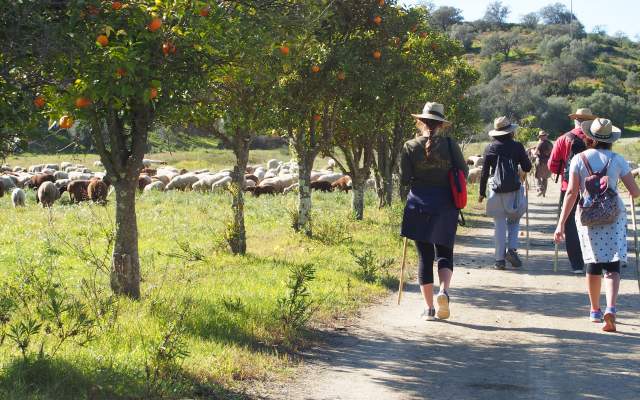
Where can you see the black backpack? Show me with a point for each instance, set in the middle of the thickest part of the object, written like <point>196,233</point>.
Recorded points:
<point>577,147</point>
<point>505,175</point>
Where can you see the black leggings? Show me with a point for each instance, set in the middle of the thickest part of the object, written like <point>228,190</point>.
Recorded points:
<point>427,253</point>
<point>596,268</point>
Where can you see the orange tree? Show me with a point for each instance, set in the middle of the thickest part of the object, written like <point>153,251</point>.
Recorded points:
<point>121,67</point>
<point>237,101</point>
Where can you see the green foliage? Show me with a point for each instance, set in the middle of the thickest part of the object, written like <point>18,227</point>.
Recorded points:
<point>489,69</point>
<point>496,13</point>
<point>607,105</point>
<point>445,16</point>
<point>372,269</point>
<point>499,43</point>
<point>295,308</point>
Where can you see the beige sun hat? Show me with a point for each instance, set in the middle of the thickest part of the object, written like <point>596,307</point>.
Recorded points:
<point>584,114</point>
<point>434,111</point>
<point>502,126</point>
<point>542,134</point>
<point>601,130</point>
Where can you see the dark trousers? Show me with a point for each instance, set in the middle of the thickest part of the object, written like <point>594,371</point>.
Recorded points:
<point>427,254</point>
<point>571,235</point>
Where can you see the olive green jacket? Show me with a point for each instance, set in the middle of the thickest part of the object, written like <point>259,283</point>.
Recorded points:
<point>418,170</point>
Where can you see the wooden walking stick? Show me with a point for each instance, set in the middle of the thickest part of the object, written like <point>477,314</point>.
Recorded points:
<point>635,239</point>
<point>404,260</point>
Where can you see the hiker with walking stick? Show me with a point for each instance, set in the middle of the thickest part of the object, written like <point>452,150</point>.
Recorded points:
<point>564,150</point>
<point>507,200</point>
<point>430,215</point>
<point>601,219</point>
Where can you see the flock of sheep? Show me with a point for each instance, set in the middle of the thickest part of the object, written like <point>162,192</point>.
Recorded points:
<point>51,181</point>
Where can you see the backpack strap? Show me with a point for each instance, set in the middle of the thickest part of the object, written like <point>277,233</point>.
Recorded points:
<point>451,152</point>
<point>586,164</point>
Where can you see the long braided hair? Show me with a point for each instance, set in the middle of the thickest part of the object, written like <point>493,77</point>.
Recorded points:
<point>431,127</point>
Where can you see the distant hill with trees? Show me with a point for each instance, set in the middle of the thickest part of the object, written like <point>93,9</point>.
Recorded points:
<point>538,70</point>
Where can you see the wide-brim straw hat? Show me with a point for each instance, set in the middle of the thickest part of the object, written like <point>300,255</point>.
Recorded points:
<point>434,111</point>
<point>584,114</point>
<point>502,126</point>
<point>542,134</point>
<point>601,130</point>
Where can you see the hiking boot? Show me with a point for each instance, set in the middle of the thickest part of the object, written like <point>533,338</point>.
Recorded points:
<point>578,271</point>
<point>443,305</point>
<point>609,320</point>
<point>596,316</point>
<point>501,265</point>
<point>429,314</point>
<point>513,258</point>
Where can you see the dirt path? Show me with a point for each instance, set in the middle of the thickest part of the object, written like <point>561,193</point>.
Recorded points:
<point>512,335</point>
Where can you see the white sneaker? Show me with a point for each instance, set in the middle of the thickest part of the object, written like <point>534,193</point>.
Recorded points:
<point>429,314</point>
<point>443,305</point>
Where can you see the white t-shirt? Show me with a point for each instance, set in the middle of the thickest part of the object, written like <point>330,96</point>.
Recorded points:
<point>618,166</point>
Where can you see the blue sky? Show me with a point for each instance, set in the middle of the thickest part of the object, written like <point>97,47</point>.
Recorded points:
<point>613,15</point>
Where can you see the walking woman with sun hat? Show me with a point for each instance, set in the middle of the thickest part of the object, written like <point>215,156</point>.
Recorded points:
<point>594,174</point>
<point>430,215</point>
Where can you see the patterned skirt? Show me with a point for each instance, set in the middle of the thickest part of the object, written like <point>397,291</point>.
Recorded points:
<point>605,243</point>
<point>430,216</point>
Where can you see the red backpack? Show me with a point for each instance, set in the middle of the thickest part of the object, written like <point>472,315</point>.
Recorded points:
<point>457,182</point>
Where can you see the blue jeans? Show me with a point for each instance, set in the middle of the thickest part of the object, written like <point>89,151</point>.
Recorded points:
<point>506,236</point>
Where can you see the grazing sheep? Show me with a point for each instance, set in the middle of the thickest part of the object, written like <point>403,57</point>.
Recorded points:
<point>331,164</point>
<point>221,183</point>
<point>321,186</point>
<point>98,164</point>
<point>292,188</point>
<point>18,198</point>
<point>162,178</point>
<point>79,176</point>
<point>155,186</point>
<point>9,181</point>
<point>280,182</point>
<point>147,162</point>
<point>182,182</point>
<point>65,164</point>
<point>35,168</point>
<point>249,177</point>
<point>78,191</point>
<point>477,161</point>
<point>329,178</point>
<point>62,184</point>
<point>474,175</point>
<point>149,171</point>
<point>47,194</point>
<point>97,191</point>
<point>249,183</point>
<point>143,181</point>
<point>39,179</point>
<point>260,190</point>
<point>273,164</point>
<point>60,175</point>
<point>343,184</point>
<point>54,167</point>
<point>18,169</point>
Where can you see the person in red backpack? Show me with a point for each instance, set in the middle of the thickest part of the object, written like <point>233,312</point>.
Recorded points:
<point>602,217</point>
<point>564,150</point>
<point>430,215</point>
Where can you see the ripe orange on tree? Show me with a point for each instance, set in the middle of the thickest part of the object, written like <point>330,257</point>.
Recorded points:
<point>204,12</point>
<point>317,117</point>
<point>377,20</point>
<point>155,24</point>
<point>39,101</point>
<point>381,3</point>
<point>116,5</point>
<point>284,50</point>
<point>83,102</point>
<point>153,93</point>
<point>341,76</point>
<point>102,40</point>
<point>65,122</point>
<point>168,47</point>
<point>377,54</point>
<point>315,69</point>
<point>121,72</point>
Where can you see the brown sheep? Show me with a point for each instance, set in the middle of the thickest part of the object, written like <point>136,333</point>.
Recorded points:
<point>322,186</point>
<point>78,191</point>
<point>162,178</point>
<point>97,191</point>
<point>143,181</point>
<point>39,179</point>
<point>343,184</point>
<point>148,171</point>
<point>259,190</point>
<point>251,177</point>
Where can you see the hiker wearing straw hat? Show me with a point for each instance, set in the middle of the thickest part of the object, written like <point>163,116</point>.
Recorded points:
<point>602,219</point>
<point>542,153</point>
<point>564,150</point>
<point>430,216</point>
<point>506,202</point>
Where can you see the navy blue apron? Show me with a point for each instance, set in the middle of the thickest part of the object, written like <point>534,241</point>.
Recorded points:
<point>430,216</point>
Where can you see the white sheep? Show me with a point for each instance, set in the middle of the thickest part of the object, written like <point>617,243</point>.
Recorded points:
<point>18,198</point>
<point>476,161</point>
<point>18,169</point>
<point>221,183</point>
<point>474,175</point>
<point>260,173</point>
<point>60,175</point>
<point>54,167</point>
<point>79,176</point>
<point>155,186</point>
<point>292,188</point>
<point>148,162</point>
<point>329,178</point>
<point>48,194</point>
<point>35,168</point>
<point>98,164</point>
<point>7,182</point>
<point>182,182</point>
<point>65,164</point>
<point>62,183</point>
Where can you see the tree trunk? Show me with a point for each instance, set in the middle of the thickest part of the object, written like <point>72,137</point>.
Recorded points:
<point>303,222</point>
<point>387,185</point>
<point>125,272</point>
<point>237,236</point>
<point>357,198</point>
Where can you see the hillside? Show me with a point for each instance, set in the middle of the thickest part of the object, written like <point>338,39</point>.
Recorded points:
<point>539,70</point>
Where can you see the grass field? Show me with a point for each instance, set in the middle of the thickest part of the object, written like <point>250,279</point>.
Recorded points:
<point>220,309</point>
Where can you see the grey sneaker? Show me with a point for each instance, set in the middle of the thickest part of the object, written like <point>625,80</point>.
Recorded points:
<point>578,271</point>
<point>513,258</point>
<point>501,265</point>
<point>429,314</point>
<point>443,305</point>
